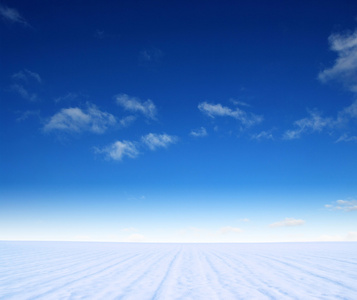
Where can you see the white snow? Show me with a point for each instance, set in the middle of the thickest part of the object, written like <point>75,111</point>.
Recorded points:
<point>75,270</point>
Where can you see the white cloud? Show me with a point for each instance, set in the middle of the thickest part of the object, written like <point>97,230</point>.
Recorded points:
<point>288,222</point>
<point>118,150</point>
<point>12,15</point>
<point>147,108</point>
<point>244,220</point>
<point>313,123</point>
<point>344,205</point>
<point>153,140</point>
<point>199,132</point>
<point>263,135</point>
<point>218,110</point>
<point>150,55</point>
<point>346,138</point>
<point>126,121</point>
<point>129,229</point>
<point>350,236</point>
<point>68,97</point>
<point>229,229</point>
<point>345,67</point>
<point>135,238</point>
<point>27,75</point>
<point>24,93</point>
<point>75,119</point>
<point>29,113</point>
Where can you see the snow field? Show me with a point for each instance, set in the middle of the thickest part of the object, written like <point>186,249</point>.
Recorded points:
<point>134,271</point>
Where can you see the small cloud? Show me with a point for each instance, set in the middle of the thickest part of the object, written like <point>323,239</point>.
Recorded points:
<point>346,138</point>
<point>244,220</point>
<point>264,135</point>
<point>313,123</point>
<point>147,108</point>
<point>118,150</point>
<point>12,15</point>
<point>239,103</point>
<point>150,56</point>
<point>201,132</point>
<point>126,121</point>
<point>77,120</point>
<point>345,67</point>
<point>229,229</point>
<point>27,114</point>
<point>343,205</point>
<point>129,229</point>
<point>218,110</point>
<point>26,75</point>
<point>288,222</point>
<point>101,34</point>
<point>154,141</point>
<point>24,93</point>
<point>135,238</point>
<point>352,236</point>
<point>67,98</point>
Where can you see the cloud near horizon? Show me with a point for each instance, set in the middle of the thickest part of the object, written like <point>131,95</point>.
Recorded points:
<point>287,222</point>
<point>343,205</point>
<point>230,229</point>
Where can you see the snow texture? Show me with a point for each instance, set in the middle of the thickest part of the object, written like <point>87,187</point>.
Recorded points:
<point>135,271</point>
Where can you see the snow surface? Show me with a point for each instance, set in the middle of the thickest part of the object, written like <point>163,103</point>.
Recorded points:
<point>75,270</point>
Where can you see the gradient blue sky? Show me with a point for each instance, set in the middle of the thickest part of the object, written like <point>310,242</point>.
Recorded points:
<point>186,121</point>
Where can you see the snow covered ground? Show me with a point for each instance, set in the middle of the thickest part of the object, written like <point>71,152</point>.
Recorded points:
<point>75,270</point>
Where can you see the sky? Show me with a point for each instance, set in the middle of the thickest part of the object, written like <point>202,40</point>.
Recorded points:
<point>178,121</point>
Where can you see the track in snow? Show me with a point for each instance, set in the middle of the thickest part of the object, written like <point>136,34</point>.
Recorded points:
<point>74,270</point>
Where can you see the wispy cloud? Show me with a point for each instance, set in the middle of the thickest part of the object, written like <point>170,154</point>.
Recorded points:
<point>200,132</point>
<point>345,67</point>
<point>263,135</point>
<point>287,222</point>
<point>12,15</point>
<point>313,123</point>
<point>23,92</point>
<point>229,229</point>
<point>132,104</point>
<point>26,75</point>
<point>67,97</point>
<point>75,119</point>
<point>27,114</point>
<point>344,205</point>
<point>150,56</point>
<point>154,141</point>
<point>119,149</point>
<point>126,121</point>
<point>218,110</point>
<point>23,78</point>
<point>346,138</point>
<point>135,238</point>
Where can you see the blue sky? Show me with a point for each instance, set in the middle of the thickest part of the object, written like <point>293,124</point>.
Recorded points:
<point>176,121</point>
